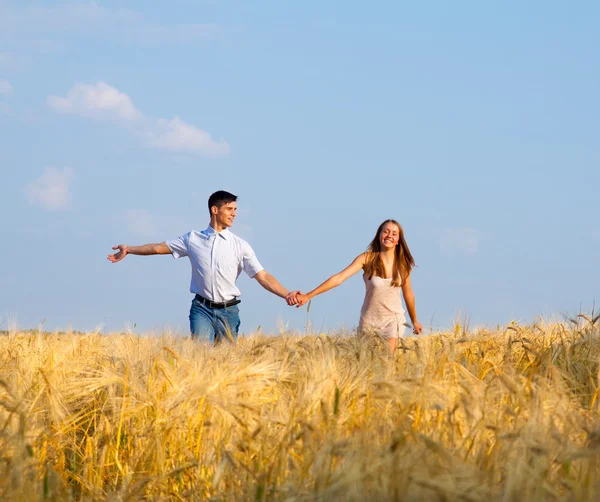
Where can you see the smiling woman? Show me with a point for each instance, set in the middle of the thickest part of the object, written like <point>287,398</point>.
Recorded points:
<point>387,264</point>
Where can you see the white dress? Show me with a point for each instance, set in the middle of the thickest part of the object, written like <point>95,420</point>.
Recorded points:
<point>382,310</point>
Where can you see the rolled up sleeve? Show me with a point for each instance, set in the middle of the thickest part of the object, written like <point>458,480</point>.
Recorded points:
<point>179,246</point>
<point>250,262</point>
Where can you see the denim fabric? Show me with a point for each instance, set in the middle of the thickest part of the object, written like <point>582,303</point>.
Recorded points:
<point>214,325</point>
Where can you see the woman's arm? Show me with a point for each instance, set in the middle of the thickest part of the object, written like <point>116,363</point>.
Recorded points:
<point>409,299</point>
<point>334,281</point>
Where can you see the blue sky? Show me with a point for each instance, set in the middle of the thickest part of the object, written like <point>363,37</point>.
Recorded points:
<point>475,124</point>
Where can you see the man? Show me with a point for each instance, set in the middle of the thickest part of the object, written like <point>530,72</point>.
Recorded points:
<point>217,257</point>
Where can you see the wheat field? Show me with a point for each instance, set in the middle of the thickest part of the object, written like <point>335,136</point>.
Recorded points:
<point>510,414</point>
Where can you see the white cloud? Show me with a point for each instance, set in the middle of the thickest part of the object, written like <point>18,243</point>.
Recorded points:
<point>461,241</point>
<point>52,190</point>
<point>5,87</point>
<point>141,222</point>
<point>97,101</point>
<point>102,101</point>
<point>178,136</point>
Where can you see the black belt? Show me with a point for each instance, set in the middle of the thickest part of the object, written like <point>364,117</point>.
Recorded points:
<point>216,305</point>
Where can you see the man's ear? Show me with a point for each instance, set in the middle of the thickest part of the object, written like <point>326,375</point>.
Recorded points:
<point>214,210</point>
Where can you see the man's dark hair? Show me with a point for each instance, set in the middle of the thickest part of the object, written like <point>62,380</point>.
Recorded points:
<point>220,198</point>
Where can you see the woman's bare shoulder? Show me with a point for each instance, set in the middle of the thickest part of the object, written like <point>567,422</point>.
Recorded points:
<point>363,257</point>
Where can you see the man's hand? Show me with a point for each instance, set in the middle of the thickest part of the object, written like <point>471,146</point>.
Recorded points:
<point>302,299</point>
<point>291,297</point>
<point>297,298</point>
<point>417,328</point>
<point>120,255</point>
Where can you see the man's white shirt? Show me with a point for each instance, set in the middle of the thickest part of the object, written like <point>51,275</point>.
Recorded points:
<point>217,259</point>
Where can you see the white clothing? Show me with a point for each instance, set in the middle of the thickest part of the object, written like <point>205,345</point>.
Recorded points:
<point>217,259</point>
<point>382,310</point>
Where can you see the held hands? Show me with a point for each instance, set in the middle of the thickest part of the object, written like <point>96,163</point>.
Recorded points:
<point>296,298</point>
<point>120,255</point>
<point>290,299</point>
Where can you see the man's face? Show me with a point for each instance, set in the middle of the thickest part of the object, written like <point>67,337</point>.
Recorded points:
<point>226,214</point>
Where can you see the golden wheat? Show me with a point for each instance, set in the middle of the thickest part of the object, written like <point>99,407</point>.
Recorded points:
<point>507,415</point>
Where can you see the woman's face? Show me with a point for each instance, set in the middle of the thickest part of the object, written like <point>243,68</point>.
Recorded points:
<point>389,236</point>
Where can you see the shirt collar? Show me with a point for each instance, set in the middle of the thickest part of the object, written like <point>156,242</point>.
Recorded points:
<point>210,231</point>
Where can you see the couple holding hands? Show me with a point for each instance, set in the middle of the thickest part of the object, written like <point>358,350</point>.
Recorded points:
<point>217,257</point>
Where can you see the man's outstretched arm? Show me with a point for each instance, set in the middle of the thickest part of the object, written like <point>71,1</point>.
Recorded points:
<point>272,285</point>
<point>145,250</point>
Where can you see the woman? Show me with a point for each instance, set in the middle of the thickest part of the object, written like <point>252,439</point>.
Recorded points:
<point>386,265</point>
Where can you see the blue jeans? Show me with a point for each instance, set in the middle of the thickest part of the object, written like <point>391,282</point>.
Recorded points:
<point>214,325</point>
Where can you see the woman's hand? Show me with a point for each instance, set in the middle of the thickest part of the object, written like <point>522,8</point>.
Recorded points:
<point>291,298</point>
<point>301,300</point>
<point>417,328</point>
